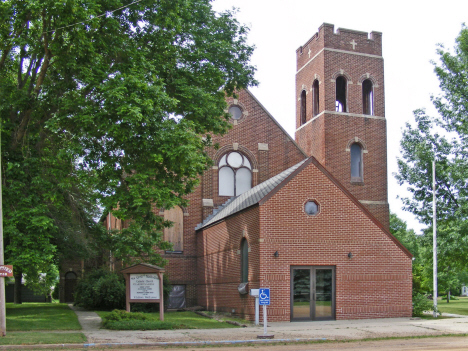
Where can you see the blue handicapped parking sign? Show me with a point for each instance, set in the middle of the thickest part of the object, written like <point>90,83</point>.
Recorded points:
<point>264,296</point>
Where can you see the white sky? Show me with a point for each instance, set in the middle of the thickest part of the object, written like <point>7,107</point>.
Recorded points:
<point>411,29</point>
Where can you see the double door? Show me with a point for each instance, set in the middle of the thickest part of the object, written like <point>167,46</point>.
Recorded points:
<point>312,292</point>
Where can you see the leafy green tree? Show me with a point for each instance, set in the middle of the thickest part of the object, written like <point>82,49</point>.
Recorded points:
<point>108,104</point>
<point>407,237</point>
<point>444,139</point>
<point>412,242</point>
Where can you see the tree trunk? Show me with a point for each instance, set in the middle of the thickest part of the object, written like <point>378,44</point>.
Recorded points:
<point>448,296</point>
<point>17,292</point>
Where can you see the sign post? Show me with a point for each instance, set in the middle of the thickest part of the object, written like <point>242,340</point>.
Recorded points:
<point>144,283</point>
<point>255,293</point>
<point>264,300</point>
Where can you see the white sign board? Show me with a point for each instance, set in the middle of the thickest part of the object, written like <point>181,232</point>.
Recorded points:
<point>144,287</point>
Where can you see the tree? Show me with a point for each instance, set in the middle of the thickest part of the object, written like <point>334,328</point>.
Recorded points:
<point>444,139</point>
<point>108,104</point>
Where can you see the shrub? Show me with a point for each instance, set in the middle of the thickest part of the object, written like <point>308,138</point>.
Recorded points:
<point>101,289</point>
<point>123,320</point>
<point>421,304</point>
<point>139,325</point>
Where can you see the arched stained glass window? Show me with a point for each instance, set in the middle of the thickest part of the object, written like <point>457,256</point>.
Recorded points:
<point>315,96</point>
<point>303,107</point>
<point>244,261</point>
<point>235,174</point>
<point>367,97</point>
<point>356,163</point>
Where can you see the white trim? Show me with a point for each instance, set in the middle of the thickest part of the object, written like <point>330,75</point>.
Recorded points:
<point>207,203</point>
<point>338,50</point>
<point>340,114</point>
<point>318,53</point>
<point>369,202</point>
<point>262,147</point>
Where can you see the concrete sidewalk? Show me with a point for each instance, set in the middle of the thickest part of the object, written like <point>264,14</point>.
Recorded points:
<point>283,331</point>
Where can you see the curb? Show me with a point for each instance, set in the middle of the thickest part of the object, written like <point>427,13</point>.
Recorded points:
<point>153,344</point>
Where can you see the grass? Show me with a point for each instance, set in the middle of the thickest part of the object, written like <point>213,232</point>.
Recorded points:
<point>24,322</point>
<point>35,338</point>
<point>40,316</point>
<point>176,320</point>
<point>459,306</point>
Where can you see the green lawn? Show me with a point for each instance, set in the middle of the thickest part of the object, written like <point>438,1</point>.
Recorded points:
<point>459,306</point>
<point>24,322</point>
<point>35,338</point>
<point>40,316</point>
<point>186,319</point>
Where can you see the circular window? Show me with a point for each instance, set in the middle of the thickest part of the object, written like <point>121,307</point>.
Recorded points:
<point>311,208</point>
<point>235,159</point>
<point>235,112</point>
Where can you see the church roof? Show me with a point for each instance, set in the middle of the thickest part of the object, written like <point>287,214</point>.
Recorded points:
<point>249,198</point>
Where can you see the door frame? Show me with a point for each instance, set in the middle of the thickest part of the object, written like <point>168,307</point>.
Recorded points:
<point>312,293</point>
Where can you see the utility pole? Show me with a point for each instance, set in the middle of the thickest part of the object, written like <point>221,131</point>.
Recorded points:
<point>434,238</point>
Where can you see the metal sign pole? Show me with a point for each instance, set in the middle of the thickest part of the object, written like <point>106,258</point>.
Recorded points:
<point>264,300</point>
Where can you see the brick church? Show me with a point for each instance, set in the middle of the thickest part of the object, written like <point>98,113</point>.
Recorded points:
<point>307,218</point>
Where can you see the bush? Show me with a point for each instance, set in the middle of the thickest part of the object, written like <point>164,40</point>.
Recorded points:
<point>123,320</point>
<point>139,325</point>
<point>101,289</point>
<point>421,304</point>
<point>121,315</point>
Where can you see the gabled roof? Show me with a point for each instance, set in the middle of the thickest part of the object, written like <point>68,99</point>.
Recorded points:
<point>264,191</point>
<point>249,198</point>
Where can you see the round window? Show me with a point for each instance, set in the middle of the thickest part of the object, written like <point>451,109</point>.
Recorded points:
<point>235,112</point>
<point>311,208</point>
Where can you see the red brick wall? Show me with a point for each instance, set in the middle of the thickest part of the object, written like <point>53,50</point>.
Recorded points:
<point>219,263</point>
<point>255,127</point>
<point>375,283</point>
<point>324,57</point>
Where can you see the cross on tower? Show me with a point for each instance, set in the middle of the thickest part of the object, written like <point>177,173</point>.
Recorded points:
<point>309,52</point>
<point>353,43</point>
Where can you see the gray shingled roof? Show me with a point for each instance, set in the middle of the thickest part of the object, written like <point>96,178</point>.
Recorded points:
<point>247,199</point>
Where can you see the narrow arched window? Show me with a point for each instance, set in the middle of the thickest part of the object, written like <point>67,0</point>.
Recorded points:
<point>356,163</point>
<point>340,102</point>
<point>235,174</point>
<point>315,96</point>
<point>244,261</point>
<point>175,234</point>
<point>367,97</point>
<point>303,107</point>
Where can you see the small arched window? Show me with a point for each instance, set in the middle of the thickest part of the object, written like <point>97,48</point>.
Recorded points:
<point>340,101</point>
<point>244,261</point>
<point>367,97</point>
<point>303,107</point>
<point>356,163</point>
<point>235,174</point>
<point>175,234</point>
<point>315,96</point>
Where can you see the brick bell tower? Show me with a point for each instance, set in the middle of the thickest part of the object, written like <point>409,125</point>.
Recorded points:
<point>340,111</point>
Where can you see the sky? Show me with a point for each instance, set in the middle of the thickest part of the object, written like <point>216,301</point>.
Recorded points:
<point>411,30</point>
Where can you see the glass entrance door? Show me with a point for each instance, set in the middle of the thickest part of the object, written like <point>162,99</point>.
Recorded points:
<point>312,293</point>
